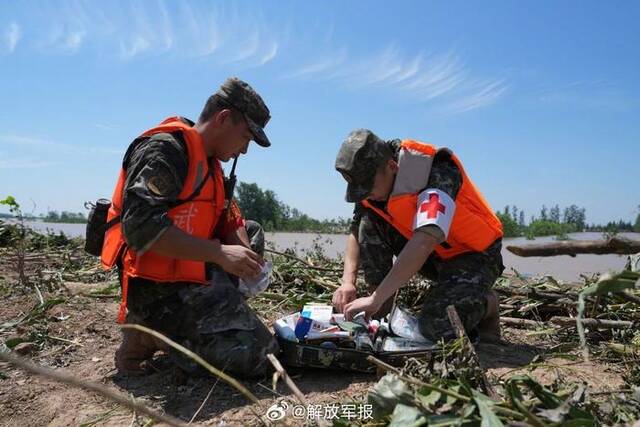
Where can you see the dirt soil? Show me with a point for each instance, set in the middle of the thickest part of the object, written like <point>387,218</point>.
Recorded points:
<point>80,336</point>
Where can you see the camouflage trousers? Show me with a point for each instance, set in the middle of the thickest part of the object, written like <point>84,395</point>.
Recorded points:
<point>463,281</point>
<point>213,321</point>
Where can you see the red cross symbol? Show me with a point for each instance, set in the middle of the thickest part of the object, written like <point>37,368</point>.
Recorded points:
<point>433,206</point>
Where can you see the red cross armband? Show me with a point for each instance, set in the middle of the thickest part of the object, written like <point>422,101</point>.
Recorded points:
<point>435,207</point>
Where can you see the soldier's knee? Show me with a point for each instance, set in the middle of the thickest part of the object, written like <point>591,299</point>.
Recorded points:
<point>254,362</point>
<point>434,323</point>
<point>436,328</point>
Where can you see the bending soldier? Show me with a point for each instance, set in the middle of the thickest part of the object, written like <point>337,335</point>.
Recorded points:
<point>415,201</point>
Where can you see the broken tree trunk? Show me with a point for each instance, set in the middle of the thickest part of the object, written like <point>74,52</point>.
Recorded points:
<point>592,323</point>
<point>614,245</point>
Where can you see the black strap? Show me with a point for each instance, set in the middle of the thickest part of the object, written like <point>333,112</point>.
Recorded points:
<point>109,224</point>
<point>195,193</point>
<point>178,202</point>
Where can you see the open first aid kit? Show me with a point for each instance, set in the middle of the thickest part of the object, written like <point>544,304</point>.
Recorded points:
<point>316,337</point>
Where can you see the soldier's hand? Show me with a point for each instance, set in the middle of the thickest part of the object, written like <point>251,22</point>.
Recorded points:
<point>240,261</point>
<point>342,296</point>
<point>369,305</point>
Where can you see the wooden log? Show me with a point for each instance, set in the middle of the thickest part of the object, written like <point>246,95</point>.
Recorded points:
<point>514,321</point>
<point>592,323</point>
<point>614,245</point>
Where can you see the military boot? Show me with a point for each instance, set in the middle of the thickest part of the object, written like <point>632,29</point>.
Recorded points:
<point>132,357</point>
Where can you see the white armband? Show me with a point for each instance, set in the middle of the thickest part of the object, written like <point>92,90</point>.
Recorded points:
<point>435,207</point>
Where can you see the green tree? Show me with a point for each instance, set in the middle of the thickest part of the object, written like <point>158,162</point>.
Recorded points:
<point>636,226</point>
<point>265,207</point>
<point>509,226</point>
<point>543,213</point>
<point>541,227</point>
<point>576,217</point>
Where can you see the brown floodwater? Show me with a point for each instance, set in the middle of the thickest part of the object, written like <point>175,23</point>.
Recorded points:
<point>561,267</point>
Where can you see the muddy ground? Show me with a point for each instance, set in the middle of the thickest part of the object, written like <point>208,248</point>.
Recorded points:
<point>80,336</point>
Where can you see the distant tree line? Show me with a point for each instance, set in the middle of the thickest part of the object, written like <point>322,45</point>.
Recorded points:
<point>274,215</point>
<point>52,216</point>
<point>64,217</point>
<point>557,222</point>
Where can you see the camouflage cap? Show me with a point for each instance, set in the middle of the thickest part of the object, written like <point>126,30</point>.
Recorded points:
<point>358,160</point>
<point>242,97</point>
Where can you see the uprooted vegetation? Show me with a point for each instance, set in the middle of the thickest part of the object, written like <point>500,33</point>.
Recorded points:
<point>62,315</point>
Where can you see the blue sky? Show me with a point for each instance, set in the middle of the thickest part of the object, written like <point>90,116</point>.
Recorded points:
<point>540,100</point>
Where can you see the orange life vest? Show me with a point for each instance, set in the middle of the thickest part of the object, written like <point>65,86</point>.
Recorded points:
<point>474,226</point>
<point>196,216</point>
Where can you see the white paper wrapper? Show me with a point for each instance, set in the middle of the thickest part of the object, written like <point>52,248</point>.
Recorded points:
<point>404,324</point>
<point>253,287</point>
<point>403,344</point>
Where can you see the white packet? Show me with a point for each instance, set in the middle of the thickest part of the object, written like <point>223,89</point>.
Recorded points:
<point>403,344</point>
<point>403,323</point>
<point>253,287</point>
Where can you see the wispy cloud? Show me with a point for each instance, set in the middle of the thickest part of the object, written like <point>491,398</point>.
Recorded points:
<point>134,47</point>
<point>418,76</point>
<point>269,54</point>
<point>322,68</point>
<point>479,95</point>
<point>128,30</point>
<point>12,35</point>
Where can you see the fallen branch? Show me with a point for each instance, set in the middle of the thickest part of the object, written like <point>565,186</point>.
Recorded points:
<point>628,296</point>
<point>461,333</point>
<point>295,258</point>
<point>90,386</point>
<point>287,379</point>
<point>535,294</point>
<point>514,321</point>
<point>328,286</point>
<point>591,323</point>
<point>614,245</point>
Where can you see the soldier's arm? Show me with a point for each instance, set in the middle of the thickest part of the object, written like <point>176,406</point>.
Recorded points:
<point>408,263</point>
<point>445,177</point>
<point>352,252</point>
<point>234,259</point>
<point>347,291</point>
<point>156,169</point>
<point>238,237</point>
